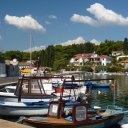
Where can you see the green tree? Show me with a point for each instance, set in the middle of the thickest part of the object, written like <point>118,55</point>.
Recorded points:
<point>115,68</point>
<point>125,46</point>
<point>87,68</point>
<point>100,68</point>
<point>13,54</point>
<point>88,47</point>
<point>26,56</point>
<point>60,62</point>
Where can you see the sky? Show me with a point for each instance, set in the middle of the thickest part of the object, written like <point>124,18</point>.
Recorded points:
<point>39,23</point>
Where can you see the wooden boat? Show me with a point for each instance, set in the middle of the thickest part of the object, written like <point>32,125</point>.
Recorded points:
<point>78,117</point>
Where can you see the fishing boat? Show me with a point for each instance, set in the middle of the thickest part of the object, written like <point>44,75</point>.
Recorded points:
<point>26,101</point>
<point>78,117</point>
<point>30,89</point>
<point>28,108</point>
<point>39,88</point>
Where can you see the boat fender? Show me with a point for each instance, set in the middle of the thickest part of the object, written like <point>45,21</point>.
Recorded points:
<point>69,118</point>
<point>113,85</point>
<point>20,120</point>
<point>124,126</point>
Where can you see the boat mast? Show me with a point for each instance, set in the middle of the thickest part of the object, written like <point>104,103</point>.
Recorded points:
<point>30,52</point>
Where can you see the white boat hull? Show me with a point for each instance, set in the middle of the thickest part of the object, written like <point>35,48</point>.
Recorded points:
<point>22,109</point>
<point>10,97</point>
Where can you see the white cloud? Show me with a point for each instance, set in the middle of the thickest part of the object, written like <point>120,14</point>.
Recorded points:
<point>83,19</point>
<point>78,40</point>
<point>26,22</point>
<point>52,17</point>
<point>101,15</point>
<point>94,41</point>
<point>35,48</point>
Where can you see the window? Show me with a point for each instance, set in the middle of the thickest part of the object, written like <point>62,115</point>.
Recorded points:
<point>80,113</point>
<point>53,109</point>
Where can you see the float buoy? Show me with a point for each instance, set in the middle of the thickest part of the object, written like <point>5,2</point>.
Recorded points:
<point>113,85</point>
<point>124,126</point>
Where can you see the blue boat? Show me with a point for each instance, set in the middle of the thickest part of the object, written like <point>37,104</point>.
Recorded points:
<point>98,85</point>
<point>70,85</point>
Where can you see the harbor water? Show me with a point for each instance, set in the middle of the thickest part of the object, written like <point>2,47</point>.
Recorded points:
<point>117,94</point>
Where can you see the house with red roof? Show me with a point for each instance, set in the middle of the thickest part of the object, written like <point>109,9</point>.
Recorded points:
<point>80,59</point>
<point>104,59</point>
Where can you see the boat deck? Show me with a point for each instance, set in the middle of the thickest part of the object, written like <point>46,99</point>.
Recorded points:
<point>50,120</point>
<point>56,120</point>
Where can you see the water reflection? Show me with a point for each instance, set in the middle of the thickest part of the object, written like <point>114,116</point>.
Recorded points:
<point>101,97</point>
<point>117,95</point>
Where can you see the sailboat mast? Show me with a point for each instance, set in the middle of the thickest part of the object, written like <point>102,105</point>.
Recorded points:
<point>30,52</point>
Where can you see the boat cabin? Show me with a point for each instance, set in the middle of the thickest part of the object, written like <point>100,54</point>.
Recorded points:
<point>33,86</point>
<point>78,113</point>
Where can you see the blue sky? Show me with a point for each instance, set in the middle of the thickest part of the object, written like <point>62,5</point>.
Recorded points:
<point>61,22</point>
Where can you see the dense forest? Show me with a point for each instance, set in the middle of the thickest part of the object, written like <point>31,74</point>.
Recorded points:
<point>58,56</point>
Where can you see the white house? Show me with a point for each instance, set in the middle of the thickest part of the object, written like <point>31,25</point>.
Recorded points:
<point>104,59</point>
<point>80,59</point>
<point>117,53</point>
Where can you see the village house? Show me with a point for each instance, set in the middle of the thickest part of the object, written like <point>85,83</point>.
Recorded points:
<point>117,53</point>
<point>124,63</point>
<point>104,59</point>
<point>80,59</point>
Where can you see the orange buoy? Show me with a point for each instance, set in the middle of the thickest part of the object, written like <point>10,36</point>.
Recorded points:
<point>113,85</point>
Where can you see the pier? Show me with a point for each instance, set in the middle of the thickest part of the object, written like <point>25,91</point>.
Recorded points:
<point>9,124</point>
<point>4,81</point>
